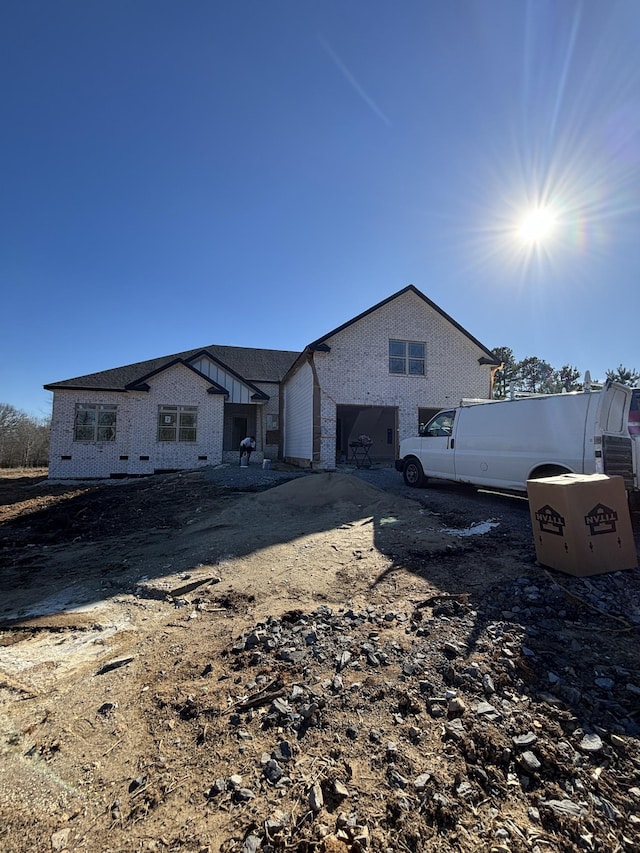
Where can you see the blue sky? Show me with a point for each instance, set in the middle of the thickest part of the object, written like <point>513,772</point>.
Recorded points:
<point>257,172</point>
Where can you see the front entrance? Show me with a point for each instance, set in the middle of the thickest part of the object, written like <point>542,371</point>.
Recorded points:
<point>376,423</point>
<point>241,420</point>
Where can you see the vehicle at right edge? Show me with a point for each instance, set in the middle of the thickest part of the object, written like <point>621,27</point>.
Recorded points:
<point>503,443</point>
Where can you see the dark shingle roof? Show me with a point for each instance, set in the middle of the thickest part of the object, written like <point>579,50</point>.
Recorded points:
<point>252,365</point>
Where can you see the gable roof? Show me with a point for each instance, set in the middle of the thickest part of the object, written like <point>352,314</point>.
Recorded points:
<point>320,343</point>
<point>246,363</point>
<point>141,384</point>
<point>250,365</point>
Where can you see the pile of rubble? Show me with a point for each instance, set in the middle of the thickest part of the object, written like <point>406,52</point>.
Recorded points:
<point>415,730</point>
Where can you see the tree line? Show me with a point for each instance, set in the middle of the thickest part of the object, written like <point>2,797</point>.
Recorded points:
<point>533,375</point>
<point>24,440</point>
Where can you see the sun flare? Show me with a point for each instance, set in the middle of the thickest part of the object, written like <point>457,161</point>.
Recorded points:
<point>537,225</point>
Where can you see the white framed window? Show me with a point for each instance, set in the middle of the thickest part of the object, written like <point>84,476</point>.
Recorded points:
<point>407,357</point>
<point>95,422</point>
<point>177,423</point>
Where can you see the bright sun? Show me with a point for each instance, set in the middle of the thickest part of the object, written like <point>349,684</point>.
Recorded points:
<point>537,225</point>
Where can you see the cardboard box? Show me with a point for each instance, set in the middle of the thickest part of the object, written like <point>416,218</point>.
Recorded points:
<point>581,523</point>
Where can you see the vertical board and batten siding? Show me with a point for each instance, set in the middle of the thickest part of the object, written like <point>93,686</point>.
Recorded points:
<point>136,429</point>
<point>241,393</point>
<point>356,370</point>
<point>238,391</point>
<point>297,429</point>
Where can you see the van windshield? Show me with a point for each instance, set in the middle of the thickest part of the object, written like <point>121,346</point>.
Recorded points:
<point>441,424</point>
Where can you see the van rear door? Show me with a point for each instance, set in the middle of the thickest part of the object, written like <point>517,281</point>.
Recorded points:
<point>634,412</point>
<point>612,442</point>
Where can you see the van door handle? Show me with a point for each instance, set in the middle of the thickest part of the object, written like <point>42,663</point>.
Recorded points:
<point>451,443</point>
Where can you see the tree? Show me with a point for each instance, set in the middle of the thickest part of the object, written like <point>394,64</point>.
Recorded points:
<point>534,376</point>
<point>566,379</point>
<point>625,376</point>
<point>24,441</point>
<point>504,377</point>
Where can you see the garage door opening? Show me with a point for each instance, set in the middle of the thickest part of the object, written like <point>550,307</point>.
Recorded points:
<point>378,423</point>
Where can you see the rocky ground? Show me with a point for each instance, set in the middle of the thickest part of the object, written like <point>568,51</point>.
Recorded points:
<point>320,662</point>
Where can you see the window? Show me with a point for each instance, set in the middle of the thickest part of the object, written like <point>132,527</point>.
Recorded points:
<point>177,423</point>
<point>425,415</point>
<point>406,357</point>
<point>95,422</point>
<point>272,432</point>
<point>441,425</point>
<point>634,413</point>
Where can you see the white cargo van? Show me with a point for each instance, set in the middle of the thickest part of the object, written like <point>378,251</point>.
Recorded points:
<point>502,444</point>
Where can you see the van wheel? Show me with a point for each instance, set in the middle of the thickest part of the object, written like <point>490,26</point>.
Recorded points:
<point>548,471</point>
<point>413,474</point>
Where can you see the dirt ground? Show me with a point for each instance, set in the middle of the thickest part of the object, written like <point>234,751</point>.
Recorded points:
<point>186,666</point>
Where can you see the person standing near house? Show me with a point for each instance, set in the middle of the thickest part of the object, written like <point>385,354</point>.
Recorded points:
<point>247,445</point>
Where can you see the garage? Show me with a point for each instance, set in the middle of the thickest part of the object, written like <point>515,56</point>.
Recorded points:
<point>356,424</point>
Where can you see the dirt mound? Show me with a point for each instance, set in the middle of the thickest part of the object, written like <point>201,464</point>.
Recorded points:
<point>302,510</point>
<point>324,490</point>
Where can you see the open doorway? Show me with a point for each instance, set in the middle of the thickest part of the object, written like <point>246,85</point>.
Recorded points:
<point>239,430</point>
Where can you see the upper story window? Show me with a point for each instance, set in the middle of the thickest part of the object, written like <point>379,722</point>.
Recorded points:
<point>177,423</point>
<point>407,357</point>
<point>95,422</point>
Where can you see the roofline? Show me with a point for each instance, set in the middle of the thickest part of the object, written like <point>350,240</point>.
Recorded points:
<point>304,356</point>
<point>227,369</point>
<point>139,383</point>
<point>56,387</point>
<point>319,343</point>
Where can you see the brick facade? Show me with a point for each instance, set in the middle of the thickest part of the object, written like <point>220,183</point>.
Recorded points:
<point>303,407</point>
<point>356,369</point>
<point>137,430</point>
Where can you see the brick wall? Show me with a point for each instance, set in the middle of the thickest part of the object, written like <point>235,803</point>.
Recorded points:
<point>356,370</point>
<point>136,429</point>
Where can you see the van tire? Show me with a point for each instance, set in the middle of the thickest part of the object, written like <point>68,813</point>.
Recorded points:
<point>548,471</point>
<point>413,474</point>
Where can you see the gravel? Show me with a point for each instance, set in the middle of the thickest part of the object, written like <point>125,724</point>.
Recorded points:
<point>254,476</point>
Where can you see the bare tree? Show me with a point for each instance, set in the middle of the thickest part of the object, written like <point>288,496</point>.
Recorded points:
<point>24,440</point>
